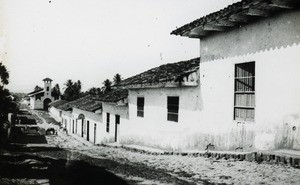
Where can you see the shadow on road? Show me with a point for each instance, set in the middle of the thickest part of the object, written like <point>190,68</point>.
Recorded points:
<point>22,162</point>
<point>57,171</point>
<point>29,139</point>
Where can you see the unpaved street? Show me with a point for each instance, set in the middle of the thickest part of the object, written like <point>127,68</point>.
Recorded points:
<point>190,170</point>
<point>65,159</point>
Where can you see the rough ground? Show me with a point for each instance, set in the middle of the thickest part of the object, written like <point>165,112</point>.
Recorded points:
<point>190,169</point>
<point>63,156</point>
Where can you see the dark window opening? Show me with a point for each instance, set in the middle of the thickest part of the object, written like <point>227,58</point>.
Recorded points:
<point>173,108</point>
<point>140,106</point>
<point>107,121</point>
<point>244,91</point>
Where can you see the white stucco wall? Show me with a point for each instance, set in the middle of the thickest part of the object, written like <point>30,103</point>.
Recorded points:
<point>273,44</point>
<point>55,113</point>
<point>66,120</point>
<point>154,129</point>
<point>39,104</point>
<point>35,104</point>
<point>95,122</point>
<point>113,109</point>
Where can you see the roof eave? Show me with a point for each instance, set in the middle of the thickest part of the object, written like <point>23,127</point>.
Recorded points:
<point>32,94</point>
<point>162,85</point>
<point>233,16</point>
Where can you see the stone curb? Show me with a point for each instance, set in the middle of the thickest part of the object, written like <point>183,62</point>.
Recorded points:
<point>259,157</point>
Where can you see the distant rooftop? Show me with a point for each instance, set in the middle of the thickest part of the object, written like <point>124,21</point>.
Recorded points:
<point>164,73</point>
<point>85,103</point>
<point>233,16</point>
<point>35,92</point>
<point>57,103</point>
<point>48,79</point>
<point>113,96</point>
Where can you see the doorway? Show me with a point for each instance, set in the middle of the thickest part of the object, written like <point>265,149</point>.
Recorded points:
<point>88,130</point>
<point>117,123</point>
<point>95,133</point>
<point>47,101</point>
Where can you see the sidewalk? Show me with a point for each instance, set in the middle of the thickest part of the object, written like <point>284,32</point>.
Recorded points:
<point>284,157</point>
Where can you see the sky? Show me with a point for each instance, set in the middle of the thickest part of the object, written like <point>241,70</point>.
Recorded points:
<point>93,40</point>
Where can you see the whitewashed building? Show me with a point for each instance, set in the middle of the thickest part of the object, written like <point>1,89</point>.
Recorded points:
<point>249,75</point>
<point>41,99</point>
<point>164,104</point>
<point>83,117</point>
<point>114,115</point>
<point>54,111</point>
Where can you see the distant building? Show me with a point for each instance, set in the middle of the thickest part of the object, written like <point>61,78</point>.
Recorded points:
<point>83,117</point>
<point>40,99</point>
<point>54,111</point>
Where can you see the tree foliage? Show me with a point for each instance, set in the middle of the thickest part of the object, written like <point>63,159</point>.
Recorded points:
<point>56,92</point>
<point>94,91</point>
<point>117,79</point>
<point>72,90</point>
<point>107,85</point>
<point>7,103</point>
<point>36,88</point>
<point>4,75</point>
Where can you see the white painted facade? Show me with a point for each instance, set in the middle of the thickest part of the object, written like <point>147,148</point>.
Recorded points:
<point>273,44</point>
<point>90,128</point>
<point>66,120</point>
<point>55,113</point>
<point>39,99</point>
<point>154,129</point>
<point>206,107</point>
<point>116,131</point>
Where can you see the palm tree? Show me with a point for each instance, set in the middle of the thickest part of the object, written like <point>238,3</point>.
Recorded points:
<point>107,85</point>
<point>72,90</point>
<point>68,83</point>
<point>117,79</point>
<point>69,91</point>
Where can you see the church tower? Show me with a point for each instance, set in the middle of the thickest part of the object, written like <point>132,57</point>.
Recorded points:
<point>47,86</point>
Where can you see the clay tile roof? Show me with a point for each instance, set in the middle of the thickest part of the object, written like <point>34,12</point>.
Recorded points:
<point>234,16</point>
<point>58,103</point>
<point>163,73</point>
<point>47,79</point>
<point>113,96</point>
<point>35,92</point>
<point>87,103</point>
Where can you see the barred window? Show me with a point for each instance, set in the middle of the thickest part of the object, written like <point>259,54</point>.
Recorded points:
<point>140,106</point>
<point>173,108</point>
<point>244,91</point>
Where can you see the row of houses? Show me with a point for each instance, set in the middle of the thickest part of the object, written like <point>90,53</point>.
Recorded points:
<point>242,93</point>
